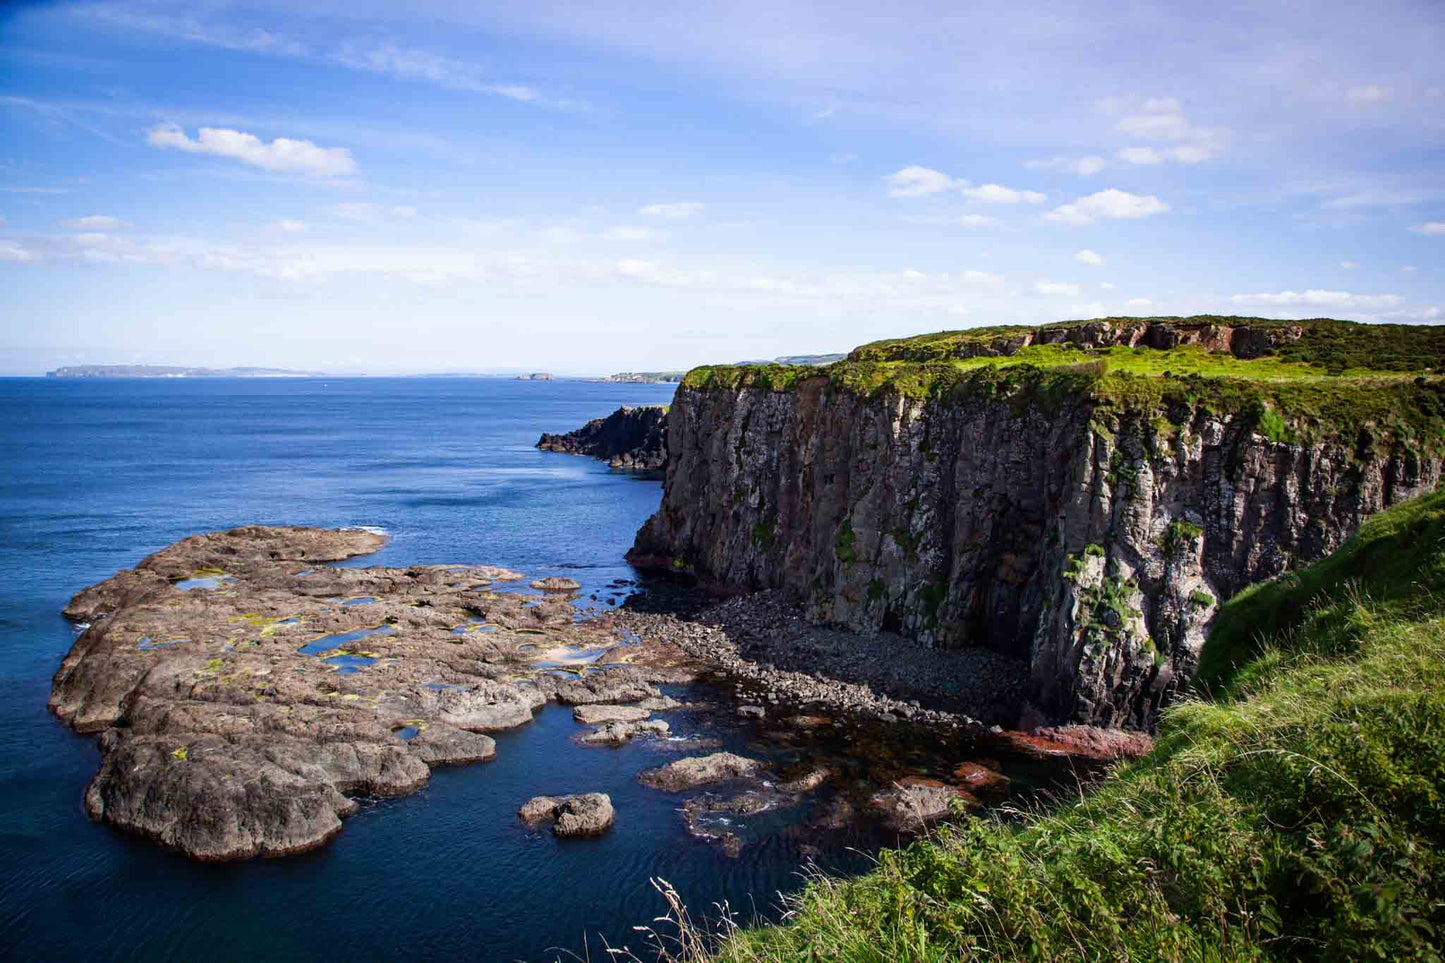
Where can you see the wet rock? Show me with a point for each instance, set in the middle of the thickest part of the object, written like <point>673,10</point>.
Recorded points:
<point>980,780</point>
<point>806,782</point>
<point>609,687</point>
<point>586,814</point>
<point>751,712</point>
<point>591,715</point>
<point>556,583</point>
<point>694,771</point>
<point>617,733</point>
<point>916,803</point>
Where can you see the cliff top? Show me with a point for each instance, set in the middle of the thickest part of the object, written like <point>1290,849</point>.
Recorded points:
<point>1302,378</point>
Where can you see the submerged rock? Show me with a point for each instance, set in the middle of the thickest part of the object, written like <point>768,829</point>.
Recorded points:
<point>586,814</point>
<point>694,771</point>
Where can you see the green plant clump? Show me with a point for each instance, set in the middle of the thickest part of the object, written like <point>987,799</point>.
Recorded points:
<point>1295,811</point>
<point>844,543</point>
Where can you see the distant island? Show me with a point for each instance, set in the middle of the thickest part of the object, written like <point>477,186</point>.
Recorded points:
<point>173,371</point>
<point>645,377</point>
<point>675,377</point>
<point>535,376</point>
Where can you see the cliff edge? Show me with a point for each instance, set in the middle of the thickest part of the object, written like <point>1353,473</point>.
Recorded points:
<point>1081,496</point>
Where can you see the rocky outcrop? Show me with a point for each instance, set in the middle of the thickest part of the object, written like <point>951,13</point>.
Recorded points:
<point>247,696</point>
<point>585,814</point>
<point>1087,525</point>
<point>697,771</point>
<point>628,438</point>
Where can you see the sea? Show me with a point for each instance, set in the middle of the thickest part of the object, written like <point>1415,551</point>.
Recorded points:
<point>96,474</point>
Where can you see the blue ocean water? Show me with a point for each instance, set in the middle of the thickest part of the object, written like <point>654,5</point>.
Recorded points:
<point>97,474</point>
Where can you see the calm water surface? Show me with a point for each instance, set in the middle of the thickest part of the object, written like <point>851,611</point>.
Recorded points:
<point>98,474</point>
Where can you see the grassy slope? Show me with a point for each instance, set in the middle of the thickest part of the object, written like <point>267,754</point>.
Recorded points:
<point>1295,813</point>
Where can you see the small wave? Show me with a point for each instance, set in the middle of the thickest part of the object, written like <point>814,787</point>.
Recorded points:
<point>373,529</point>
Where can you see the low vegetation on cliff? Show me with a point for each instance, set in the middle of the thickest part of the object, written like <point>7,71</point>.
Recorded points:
<point>1294,809</point>
<point>1302,379</point>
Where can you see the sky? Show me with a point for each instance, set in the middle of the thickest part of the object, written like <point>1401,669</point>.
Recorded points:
<point>589,187</point>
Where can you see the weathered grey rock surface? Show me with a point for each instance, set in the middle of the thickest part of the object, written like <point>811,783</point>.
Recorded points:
<point>247,694</point>
<point>694,771</point>
<point>584,814</point>
<point>628,438</point>
<point>1088,541</point>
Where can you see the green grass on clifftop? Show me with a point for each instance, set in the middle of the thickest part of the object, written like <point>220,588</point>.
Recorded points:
<point>1356,383</point>
<point>1297,813</point>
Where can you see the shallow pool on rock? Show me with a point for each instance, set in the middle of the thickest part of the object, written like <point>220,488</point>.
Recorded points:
<point>328,642</point>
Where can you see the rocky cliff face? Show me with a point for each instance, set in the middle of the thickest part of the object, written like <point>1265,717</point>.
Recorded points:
<point>628,438</point>
<point>1089,531</point>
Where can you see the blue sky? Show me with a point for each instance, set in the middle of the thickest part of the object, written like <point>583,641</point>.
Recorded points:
<point>590,187</point>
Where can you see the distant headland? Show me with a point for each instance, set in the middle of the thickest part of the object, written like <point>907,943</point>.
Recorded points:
<point>173,371</point>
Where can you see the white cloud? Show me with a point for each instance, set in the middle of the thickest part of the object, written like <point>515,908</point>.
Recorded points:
<point>628,233</point>
<point>1111,204</point>
<point>675,211</point>
<point>1082,166</point>
<point>977,220</point>
<point>1057,288</point>
<point>1319,298</point>
<point>1107,285</point>
<point>1368,94</point>
<point>35,190</point>
<point>3,222</point>
<point>1094,309</point>
<point>1408,269</point>
<point>281,154</point>
<point>1161,119</point>
<point>403,210</point>
<point>919,181</point>
<point>93,222</point>
<point>1430,228</point>
<point>1348,265</point>
<point>289,225</point>
<point>1087,256</point>
<point>10,251</point>
<point>1192,153</point>
<point>1139,303</point>
<point>998,194</point>
<point>1140,155</point>
<point>356,210</point>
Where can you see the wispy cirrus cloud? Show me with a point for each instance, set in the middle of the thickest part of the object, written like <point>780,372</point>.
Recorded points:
<point>383,58</point>
<point>1319,298</point>
<point>677,210</point>
<point>93,222</point>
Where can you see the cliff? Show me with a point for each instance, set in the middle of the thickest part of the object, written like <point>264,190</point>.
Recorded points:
<point>1081,496</point>
<point>630,437</point>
